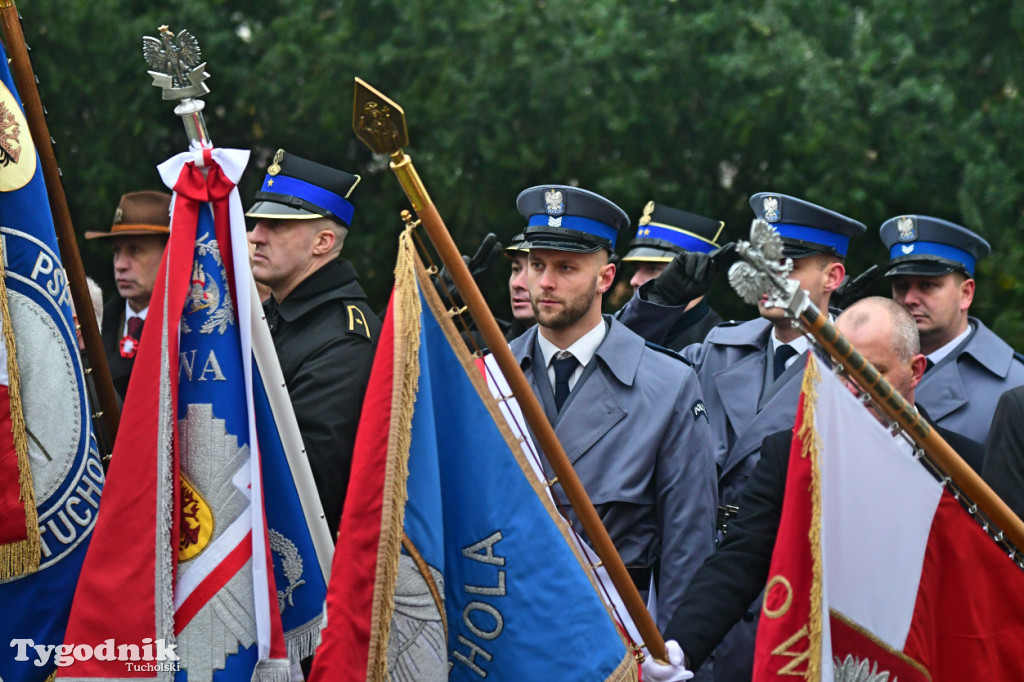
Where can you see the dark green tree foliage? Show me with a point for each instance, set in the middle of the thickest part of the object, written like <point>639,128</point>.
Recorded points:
<point>873,109</point>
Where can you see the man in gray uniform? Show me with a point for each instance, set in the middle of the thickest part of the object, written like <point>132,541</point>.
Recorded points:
<point>931,267</point>
<point>630,416</point>
<point>750,373</point>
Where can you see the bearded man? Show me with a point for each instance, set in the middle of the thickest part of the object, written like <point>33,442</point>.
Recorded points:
<point>629,415</point>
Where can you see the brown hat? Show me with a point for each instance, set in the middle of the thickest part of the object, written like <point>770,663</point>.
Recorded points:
<point>139,213</point>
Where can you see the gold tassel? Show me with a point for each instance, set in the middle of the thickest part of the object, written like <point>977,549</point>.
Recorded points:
<point>22,557</point>
<point>808,435</point>
<point>406,310</point>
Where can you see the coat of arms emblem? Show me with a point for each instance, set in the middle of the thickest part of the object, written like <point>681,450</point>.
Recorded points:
<point>772,209</point>
<point>907,228</point>
<point>554,202</point>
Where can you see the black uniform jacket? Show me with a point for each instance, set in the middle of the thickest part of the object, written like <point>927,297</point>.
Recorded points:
<point>730,579</point>
<point>325,334</point>
<point>692,327</point>
<point>1004,455</point>
<point>112,333</point>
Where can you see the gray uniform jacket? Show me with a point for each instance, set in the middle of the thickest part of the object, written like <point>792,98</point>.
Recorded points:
<point>961,392</point>
<point>743,406</point>
<point>636,432</point>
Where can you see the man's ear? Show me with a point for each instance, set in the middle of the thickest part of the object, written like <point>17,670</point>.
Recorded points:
<point>834,274</point>
<point>324,242</point>
<point>605,277</point>
<point>917,366</point>
<point>966,294</point>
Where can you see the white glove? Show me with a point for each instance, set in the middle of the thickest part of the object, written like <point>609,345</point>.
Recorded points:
<point>676,671</point>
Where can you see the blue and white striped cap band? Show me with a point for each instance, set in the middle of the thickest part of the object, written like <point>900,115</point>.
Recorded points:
<point>587,226</point>
<point>840,243</point>
<point>902,251</point>
<point>327,202</point>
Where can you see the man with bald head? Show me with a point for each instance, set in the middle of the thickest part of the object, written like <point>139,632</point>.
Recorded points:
<point>731,578</point>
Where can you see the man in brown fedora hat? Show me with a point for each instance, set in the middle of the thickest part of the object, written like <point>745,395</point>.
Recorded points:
<point>138,236</point>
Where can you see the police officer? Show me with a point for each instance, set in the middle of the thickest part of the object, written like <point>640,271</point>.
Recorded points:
<point>931,267</point>
<point>137,237</point>
<point>750,373</point>
<point>519,293</point>
<point>664,233</point>
<point>323,329</point>
<point>630,416</point>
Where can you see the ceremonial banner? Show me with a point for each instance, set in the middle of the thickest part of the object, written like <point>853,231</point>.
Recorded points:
<point>452,562</point>
<point>50,472</point>
<point>198,444</point>
<point>879,573</point>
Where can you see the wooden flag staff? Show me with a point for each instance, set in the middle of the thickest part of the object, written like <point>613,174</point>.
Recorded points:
<point>380,124</point>
<point>71,259</point>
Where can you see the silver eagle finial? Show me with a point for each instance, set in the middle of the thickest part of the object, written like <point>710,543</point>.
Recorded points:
<point>763,272</point>
<point>176,65</point>
<point>177,69</point>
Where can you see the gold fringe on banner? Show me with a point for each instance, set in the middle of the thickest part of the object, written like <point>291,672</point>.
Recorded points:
<point>21,557</point>
<point>406,310</point>
<point>808,435</point>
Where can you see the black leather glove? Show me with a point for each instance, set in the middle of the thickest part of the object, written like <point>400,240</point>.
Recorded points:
<point>689,275</point>
<point>852,290</point>
<point>486,254</point>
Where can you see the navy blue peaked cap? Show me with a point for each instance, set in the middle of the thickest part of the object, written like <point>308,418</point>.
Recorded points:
<point>663,232</point>
<point>806,229</point>
<point>516,246</point>
<point>569,219</point>
<point>296,188</point>
<point>921,245</point>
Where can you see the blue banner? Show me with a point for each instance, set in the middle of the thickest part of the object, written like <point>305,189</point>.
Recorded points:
<point>518,604</point>
<point>66,471</point>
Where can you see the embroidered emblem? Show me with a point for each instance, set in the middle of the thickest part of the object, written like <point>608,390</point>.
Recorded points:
<point>275,165</point>
<point>907,227</point>
<point>17,153</point>
<point>205,296</point>
<point>907,249</point>
<point>698,410</point>
<point>196,522</point>
<point>202,293</point>
<point>853,669</point>
<point>554,202</point>
<point>772,209</point>
<point>118,215</point>
<point>291,563</point>
<point>645,219</point>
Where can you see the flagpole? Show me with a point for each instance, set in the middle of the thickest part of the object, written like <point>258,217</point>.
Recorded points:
<point>761,273</point>
<point>71,259</point>
<point>380,124</point>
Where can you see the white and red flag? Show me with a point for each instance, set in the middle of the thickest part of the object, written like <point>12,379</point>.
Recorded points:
<point>181,559</point>
<point>878,572</point>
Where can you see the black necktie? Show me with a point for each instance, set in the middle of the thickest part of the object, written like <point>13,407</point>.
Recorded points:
<point>782,354</point>
<point>928,364</point>
<point>564,367</point>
